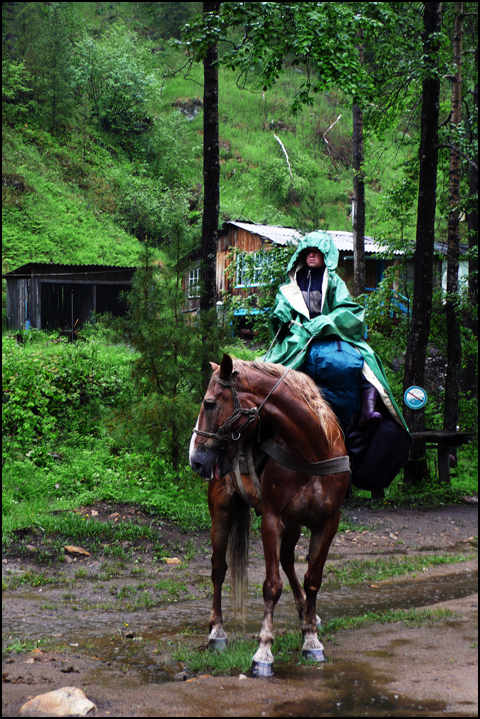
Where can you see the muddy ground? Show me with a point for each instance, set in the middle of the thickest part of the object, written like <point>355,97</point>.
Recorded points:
<point>110,625</point>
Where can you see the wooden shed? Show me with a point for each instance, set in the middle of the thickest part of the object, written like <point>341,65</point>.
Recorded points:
<point>63,296</point>
<point>250,237</point>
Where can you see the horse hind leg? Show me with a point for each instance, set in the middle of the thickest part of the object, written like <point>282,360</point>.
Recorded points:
<point>319,545</point>
<point>287,560</point>
<point>230,528</point>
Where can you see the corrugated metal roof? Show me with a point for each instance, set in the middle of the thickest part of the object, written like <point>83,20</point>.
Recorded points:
<point>344,242</point>
<point>282,235</point>
<point>279,235</point>
<point>63,268</point>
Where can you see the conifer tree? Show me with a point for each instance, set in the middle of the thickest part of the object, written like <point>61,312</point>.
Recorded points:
<point>166,336</point>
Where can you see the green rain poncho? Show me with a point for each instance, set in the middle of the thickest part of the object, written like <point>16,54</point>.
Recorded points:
<point>340,318</point>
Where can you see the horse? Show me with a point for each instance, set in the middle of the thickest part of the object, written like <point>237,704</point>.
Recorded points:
<point>302,481</point>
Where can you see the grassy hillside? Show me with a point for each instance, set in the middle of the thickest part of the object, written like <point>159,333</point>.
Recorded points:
<point>57,207</point>
<point>84,194</point>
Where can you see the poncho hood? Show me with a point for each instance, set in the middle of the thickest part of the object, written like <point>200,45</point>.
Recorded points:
<point>323,242</point>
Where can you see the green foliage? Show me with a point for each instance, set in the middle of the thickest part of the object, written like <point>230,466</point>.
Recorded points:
<point>43,393</point>
<point>169,150</point>
<point>283,186</point>
<point>64,409</point>
<point>115,71</point>
<point>17,95</point>
<point>54,72</point>
<point>169,17</point>
<point>397,210</point>
<point>326,34</point>
<point>386,304</point>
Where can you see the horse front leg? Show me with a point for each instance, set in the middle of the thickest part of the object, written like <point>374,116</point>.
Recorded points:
<point>262,661</point>
<point>320,542</point>
<point>221,517</point>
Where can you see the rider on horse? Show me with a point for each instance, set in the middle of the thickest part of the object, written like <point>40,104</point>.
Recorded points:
<point>320,330</point>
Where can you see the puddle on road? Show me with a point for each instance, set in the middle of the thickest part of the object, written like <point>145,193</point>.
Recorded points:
<point>168,621</point>
<point>357,688</point>
<point>357,692</point>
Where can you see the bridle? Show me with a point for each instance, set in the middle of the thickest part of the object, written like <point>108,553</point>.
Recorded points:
<point>225,432</point>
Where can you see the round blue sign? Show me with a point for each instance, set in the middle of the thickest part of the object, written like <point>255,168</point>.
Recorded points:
<point>415,397</point>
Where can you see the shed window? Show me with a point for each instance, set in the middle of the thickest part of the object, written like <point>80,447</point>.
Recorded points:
<point>194,283</point>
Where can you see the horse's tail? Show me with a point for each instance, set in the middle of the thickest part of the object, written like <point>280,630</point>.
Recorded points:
<point>237,556</point>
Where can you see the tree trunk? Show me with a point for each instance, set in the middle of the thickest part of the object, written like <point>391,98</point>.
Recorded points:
<point>423,275</point>
<point>470,375</point>
<point>211,174</point>
<point>211,197</point>
<point>359,209</point>
<point>454,347</point>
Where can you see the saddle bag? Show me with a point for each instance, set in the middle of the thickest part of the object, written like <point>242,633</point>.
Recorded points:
<point>377,454</point>
<point>335,366</point>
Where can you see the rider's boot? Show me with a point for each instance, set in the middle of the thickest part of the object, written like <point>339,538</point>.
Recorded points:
<point>368,416</point>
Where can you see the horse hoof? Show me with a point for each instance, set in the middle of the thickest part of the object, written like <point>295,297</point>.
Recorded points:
<point>218,644</point>
<point>262,669</point>
<point>315,655</point>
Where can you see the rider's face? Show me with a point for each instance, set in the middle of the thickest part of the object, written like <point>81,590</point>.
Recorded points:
<point>314,258</point>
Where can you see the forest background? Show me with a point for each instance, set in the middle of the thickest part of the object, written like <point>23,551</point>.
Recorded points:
<point>103,163</point>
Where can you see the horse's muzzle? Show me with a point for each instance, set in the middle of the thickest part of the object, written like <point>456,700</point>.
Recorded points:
<point>209,463</point>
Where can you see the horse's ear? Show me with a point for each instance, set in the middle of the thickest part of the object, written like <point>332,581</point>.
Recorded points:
<point>214,366</point>
<point>226,368</point>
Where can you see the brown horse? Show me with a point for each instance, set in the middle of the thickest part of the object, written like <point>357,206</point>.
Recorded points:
<point>246,402</point>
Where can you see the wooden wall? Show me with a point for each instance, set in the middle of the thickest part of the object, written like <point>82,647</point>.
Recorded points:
<point>240,239</point>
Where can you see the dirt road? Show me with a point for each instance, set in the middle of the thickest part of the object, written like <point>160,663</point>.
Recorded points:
<point>111,624</point>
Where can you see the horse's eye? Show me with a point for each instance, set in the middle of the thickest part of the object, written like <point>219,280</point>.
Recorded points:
<point>209,404</point>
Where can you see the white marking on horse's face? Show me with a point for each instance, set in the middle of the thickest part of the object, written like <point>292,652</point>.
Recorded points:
<point>192,442</point>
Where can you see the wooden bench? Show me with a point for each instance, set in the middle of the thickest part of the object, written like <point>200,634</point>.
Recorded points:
<point>444,441</point>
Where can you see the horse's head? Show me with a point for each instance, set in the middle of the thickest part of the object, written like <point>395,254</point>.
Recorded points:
<point>222,422</point>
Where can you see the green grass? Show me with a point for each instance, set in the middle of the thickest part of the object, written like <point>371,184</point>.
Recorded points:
<point>237,657</point>
<point>374,570</point>
<point>63,446</point>
<point>56,220</point>
<point>287,647</point>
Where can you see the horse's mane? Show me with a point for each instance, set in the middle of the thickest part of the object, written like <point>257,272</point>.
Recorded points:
<point>303,387</point>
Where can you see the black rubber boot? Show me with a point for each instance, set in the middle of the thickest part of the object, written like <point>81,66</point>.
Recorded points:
<point>368,416</point>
